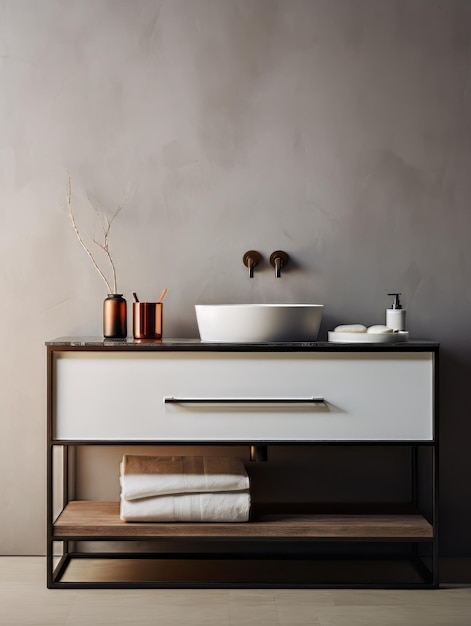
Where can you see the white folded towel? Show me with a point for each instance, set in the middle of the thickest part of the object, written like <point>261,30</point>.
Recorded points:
<point>147,476</point>
<point>197,507</point>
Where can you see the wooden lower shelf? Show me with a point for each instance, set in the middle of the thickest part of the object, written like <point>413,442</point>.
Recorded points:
<point>97,520</point>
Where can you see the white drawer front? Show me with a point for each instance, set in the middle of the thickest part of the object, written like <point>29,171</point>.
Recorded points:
<point>120,396</point>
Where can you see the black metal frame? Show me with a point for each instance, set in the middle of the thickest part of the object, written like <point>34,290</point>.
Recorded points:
<point>55,572</point>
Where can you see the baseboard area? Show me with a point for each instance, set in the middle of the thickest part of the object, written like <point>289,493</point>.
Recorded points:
<point>455,571</point>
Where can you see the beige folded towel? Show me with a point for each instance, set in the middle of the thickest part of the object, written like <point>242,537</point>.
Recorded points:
<point>147,476</point>
<point>197,507</point>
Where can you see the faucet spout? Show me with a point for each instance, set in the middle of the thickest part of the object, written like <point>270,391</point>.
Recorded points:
<point>277,267</point>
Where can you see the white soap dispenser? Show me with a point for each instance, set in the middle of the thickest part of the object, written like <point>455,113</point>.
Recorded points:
<point>396,315</point>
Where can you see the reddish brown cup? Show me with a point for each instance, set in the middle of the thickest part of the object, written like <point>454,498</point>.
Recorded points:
<point>147,320</point>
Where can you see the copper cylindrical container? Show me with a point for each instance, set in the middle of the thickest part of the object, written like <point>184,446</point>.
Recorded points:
<point>147,320</point>
<point>115,324</point>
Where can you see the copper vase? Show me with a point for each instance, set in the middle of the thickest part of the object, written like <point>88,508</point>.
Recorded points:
<point>115,317</point>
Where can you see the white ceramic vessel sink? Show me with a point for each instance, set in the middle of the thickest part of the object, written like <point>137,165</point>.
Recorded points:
<point>258,323</point>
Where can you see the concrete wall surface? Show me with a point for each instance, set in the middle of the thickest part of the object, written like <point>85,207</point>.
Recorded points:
<point>338,131</point>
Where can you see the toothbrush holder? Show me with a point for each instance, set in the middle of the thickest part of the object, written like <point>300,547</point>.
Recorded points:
<point>147,320</point>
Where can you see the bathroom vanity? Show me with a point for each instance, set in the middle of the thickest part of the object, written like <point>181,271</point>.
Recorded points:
<point>262,397</point>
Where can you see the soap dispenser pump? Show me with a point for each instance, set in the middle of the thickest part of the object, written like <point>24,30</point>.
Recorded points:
<point>396,315</point>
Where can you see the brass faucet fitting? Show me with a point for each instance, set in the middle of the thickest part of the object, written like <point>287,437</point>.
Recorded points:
<point>251,259</point>
<point>278,259</point>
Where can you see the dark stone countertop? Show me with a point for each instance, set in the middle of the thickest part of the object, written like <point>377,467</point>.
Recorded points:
<point>193,344</point>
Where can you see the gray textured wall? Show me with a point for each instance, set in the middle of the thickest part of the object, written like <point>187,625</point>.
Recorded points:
<point>337,130</point>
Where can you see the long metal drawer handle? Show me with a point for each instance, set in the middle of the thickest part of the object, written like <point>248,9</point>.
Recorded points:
<point>312,400</point>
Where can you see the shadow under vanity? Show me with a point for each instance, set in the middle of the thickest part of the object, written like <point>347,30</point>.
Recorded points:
<point>340,418</point>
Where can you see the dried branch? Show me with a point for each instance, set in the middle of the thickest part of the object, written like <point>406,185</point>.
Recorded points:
<point>103,246</point>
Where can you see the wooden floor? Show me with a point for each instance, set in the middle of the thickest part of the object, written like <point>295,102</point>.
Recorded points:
<point>25,601</point>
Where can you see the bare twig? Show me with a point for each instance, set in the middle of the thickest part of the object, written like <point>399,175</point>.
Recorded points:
<point>103,246</point>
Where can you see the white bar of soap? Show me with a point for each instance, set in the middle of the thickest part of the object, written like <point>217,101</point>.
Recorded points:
<point>380,329</point>
<point>350,328</point>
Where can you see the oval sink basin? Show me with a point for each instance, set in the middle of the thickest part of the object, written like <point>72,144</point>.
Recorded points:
<point>258,323</point>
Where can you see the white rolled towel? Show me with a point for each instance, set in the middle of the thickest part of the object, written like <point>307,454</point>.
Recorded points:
<point>195,507</point>
<point>146,476</point>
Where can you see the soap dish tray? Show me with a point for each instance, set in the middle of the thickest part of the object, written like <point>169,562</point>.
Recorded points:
<point>339,337</point>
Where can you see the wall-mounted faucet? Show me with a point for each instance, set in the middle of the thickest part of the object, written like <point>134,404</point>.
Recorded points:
<point>251,259</point>
<point>278,259</point>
